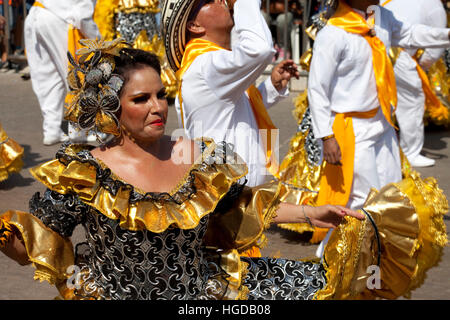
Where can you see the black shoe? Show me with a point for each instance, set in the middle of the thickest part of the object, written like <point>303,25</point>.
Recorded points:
<point>4,65</point>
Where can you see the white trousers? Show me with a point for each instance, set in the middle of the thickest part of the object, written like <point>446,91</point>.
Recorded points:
<point>377,161</point>
<point>46,37</point>
<point>377,158</point>
<point>411,106</point>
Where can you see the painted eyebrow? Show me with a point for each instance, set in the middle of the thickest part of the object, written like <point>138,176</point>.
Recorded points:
<point>144,93</point>
<point>138,94</point>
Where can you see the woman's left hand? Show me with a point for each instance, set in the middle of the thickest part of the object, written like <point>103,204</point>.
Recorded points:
<point>330,216</point>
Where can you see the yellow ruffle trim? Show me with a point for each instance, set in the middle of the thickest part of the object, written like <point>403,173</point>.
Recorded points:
<point>236,270</point>
<point>440,82</point>
<point>242,225</point>
<point>212,182</point>
<point>104,14</point>
<point>10,156</point>
<point>409,218</point>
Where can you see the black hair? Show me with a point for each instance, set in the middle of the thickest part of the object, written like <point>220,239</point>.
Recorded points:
<point>135,59</point>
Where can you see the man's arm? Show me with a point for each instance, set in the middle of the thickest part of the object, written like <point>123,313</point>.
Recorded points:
<point>230,73</point>
<point>417,36</point>
<point>85,19</point>
<point>436,17</point>
<point>275,87</point>
<point>323,68</point>
<point>326,52</point>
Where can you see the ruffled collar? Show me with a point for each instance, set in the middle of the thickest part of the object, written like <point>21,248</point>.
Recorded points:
<point>75,170</point>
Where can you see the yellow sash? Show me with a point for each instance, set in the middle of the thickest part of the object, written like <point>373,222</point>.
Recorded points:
<point>196,47</point>
<point>432,102</point>
<point>336,181</point>
<point>38,4</point>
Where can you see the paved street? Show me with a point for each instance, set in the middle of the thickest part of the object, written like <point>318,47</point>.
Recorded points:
<point>21,118</point>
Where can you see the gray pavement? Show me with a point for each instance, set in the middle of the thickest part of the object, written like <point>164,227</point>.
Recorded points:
<point>21,118</point>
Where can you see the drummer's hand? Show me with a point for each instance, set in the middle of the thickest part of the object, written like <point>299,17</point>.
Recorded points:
<point>330,216</point>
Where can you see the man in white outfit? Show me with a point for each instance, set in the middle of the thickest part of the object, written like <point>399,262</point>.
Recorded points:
<point>343,84</point>
<point>342,80</point>
<point>215,102</point>
<point>46,42</point>
<point>411,97</point>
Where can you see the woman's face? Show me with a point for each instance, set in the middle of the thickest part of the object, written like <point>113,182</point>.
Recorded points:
<point>144,105</point>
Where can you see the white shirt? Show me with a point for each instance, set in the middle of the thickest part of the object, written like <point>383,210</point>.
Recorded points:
<point>215,103</point>
<point>76,12</point>
<point>428,12</point>
<point>341,77</point>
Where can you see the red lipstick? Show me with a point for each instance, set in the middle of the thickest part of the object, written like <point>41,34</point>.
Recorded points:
<point>157,122</point>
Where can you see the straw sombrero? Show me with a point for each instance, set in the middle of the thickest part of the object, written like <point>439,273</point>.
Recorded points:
<point>174,16</point>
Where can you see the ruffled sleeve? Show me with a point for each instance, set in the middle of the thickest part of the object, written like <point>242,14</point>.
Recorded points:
<point>242,217</point>
<point>10,155</point>
<point>240,220</point>
<point>50,253</point>
<point>388,254</point>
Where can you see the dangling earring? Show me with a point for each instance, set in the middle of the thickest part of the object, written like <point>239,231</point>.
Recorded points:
<point>124,130</point>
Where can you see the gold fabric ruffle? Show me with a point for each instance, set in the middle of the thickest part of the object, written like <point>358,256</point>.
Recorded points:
<point>49,253</point>
<point>242,225</point>
<point>231,283</point>
<point>6,232</point>
<point>409,219</point>
<point>10,155</point>
<point>150,5</point>
<point>211,183</point>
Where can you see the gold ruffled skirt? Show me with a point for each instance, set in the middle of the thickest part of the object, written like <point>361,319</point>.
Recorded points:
<point>10,156</point>
<point>388,258</point>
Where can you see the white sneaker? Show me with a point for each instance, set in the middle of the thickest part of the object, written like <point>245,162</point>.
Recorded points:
<point>49,141</point>
<point>421,161</point>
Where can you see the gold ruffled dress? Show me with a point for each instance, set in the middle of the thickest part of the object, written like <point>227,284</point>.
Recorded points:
<point>186,244</point>
<point>10,155</point>
<point>135,21</point>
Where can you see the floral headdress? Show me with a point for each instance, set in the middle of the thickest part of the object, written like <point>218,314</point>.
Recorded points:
<point>93,99</point>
